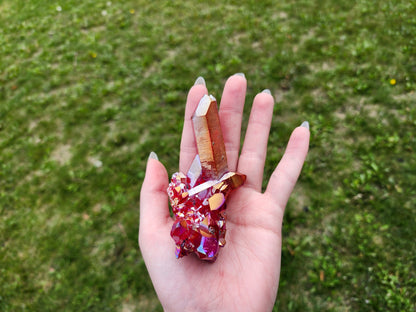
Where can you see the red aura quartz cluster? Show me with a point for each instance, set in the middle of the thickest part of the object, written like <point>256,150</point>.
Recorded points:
<point>199,207</point>
<point>198,198</point>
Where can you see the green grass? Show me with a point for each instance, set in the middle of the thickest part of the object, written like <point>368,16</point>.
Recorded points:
<point>100,81</point>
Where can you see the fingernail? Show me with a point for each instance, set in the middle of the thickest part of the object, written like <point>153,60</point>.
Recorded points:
<point>153,156</point>
<point>240,74</point>
<point>200,81</point>
<point>305,124</point>
<point>266,91</point>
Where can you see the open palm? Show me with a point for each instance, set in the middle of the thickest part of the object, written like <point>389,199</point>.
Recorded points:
<point>245,276</point>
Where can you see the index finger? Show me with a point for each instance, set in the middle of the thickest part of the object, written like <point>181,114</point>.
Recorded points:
<point>188,144</point>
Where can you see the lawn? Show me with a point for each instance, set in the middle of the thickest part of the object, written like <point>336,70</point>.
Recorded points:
<point>89,88</point>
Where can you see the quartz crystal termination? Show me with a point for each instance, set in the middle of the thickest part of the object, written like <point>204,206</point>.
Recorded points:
<point>198,199</point>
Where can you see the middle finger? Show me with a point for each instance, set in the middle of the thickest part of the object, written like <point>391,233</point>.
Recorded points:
<point>231,114</point>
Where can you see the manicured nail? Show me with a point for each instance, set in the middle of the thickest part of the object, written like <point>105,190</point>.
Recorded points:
<point>266,91</point>
<point>240,74</point>
<point>200,81</point>
<point>153,156</point>
<point>305,124</point>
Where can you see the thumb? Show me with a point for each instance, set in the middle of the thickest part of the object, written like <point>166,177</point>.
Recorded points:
<point>154,210</point>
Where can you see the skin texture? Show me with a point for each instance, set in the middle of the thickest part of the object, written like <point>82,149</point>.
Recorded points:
<point>245,276</point>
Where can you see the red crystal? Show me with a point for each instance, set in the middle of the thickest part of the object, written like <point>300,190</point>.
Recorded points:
<point>198,199</point>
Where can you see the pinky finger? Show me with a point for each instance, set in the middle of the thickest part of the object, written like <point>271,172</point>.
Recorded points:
<point>287,171</point>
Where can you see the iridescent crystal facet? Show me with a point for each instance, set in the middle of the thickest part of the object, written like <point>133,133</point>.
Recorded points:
<point>198,199</point>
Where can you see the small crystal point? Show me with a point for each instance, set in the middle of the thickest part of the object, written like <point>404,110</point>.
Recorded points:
<point>195,170</point>
<point>216,201</point>
<point>208,249</point>
<point>234,179</point>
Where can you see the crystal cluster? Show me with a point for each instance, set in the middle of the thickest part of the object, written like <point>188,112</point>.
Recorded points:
<point>198,198</point>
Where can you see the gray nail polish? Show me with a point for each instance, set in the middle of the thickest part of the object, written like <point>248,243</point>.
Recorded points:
<point>240,74</point>
<point>200,81</point>
<point>153,156</point>
<point>266,91</point>
<point>305,124</point>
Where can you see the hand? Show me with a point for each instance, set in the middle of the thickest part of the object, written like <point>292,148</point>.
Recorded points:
<point>245,277</point>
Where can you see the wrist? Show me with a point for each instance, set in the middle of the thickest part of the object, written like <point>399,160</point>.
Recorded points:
<point>188,307</point>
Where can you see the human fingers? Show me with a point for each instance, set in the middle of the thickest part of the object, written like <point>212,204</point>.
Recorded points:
<point>231,114</point>
<point>154,210</point>
<point>285,175</point>
<point>253,154</point>
<point>188,144</point>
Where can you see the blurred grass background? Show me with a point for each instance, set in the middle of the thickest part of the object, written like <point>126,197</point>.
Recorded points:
<point>89,88</point>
